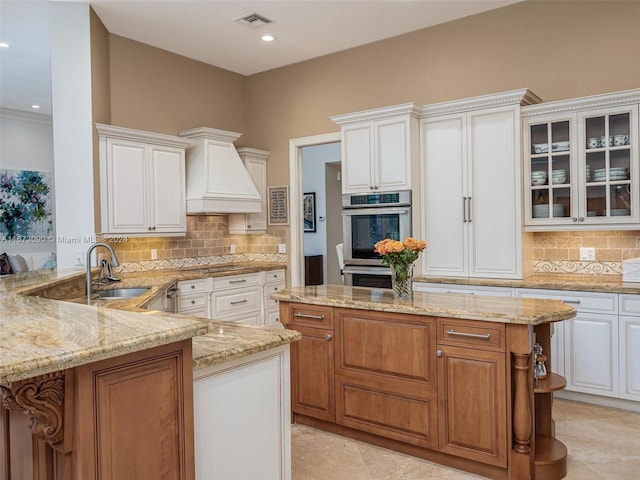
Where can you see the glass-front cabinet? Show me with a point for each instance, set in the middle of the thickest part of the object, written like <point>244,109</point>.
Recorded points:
<point>581,163</point>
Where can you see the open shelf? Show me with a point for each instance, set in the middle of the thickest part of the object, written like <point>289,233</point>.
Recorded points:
<point>552,383</point>
<point>551,458</point>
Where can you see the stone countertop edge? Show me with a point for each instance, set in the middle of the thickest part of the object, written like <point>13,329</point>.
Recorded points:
<point>228,341</point>
<point>54,363</point>
<point>548,281</point>
<point>492,309</point>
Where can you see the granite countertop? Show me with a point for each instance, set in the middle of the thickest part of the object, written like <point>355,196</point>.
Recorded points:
<point>472,307</point>
<point>40,335</point>
<point>581,283</point>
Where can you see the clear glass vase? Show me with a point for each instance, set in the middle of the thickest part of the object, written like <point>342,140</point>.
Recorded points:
<point>401,276</point>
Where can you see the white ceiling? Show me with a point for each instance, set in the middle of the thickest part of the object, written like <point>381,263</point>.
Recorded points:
<point>206,30</point>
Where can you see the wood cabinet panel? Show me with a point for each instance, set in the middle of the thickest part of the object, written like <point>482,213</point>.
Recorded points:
<point>312,373</point>
<point>472,407</point>
<point>386,413</point>
<point>128,400</point>
<point>386,345</point>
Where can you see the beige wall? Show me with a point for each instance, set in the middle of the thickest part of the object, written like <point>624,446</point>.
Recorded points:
<point>159,91</point>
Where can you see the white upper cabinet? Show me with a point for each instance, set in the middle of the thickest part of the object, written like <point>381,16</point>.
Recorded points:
<point>581,163</point>
<point>142,182</point>
<point>255,161</point>
<point>378,148</point>
<point>470,187</point>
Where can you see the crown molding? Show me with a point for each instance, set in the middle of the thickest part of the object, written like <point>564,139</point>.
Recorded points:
<point>210,133</point>
<point>521,97</point>
<point>122,133</point>
<point>26,116</point>
<point>591,102</point>
<point>412,109</point>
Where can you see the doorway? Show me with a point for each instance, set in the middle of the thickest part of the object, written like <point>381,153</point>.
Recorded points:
<point>296,147</point>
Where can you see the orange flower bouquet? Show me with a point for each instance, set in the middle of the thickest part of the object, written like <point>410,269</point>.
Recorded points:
<point>399,256</point>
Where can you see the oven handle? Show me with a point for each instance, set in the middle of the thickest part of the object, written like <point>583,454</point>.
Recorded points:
<point>376,211</point>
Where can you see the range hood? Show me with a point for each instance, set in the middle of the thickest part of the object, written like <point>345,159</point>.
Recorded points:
<point>217,180</point>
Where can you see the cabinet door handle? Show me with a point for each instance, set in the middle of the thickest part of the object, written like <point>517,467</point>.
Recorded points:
<point>581,219</point>
<point>313,317</point>
<point>464,209</point>
<point>575,302</point>
<point>239,302</point>
<point>439,353</point>
<point>485,336</point>
<point>453,291</point>
<point>574,219</point>
<point>469,204</point>
<point>238,281</point>
<point>329,336</point>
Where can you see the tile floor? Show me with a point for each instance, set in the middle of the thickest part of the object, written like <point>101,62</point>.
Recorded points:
<point>603,443</point>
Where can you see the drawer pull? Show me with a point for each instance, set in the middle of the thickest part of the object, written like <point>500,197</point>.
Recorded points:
<point>575,302</point>
<point>314,317</point>
<point>238,281</point>
<point>329,337</point>
<point>239,302</point>
<point>193,302</point>
<point>485,336</point>
<point>193,286</point>
<point>453,291</point>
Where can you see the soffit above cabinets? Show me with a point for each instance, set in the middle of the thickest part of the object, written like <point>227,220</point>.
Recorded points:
<point>217,180</point>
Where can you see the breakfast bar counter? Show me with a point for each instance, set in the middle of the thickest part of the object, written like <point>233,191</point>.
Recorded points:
<point>445,377</point>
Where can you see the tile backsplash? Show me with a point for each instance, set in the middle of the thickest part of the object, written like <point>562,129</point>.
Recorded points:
<point>559,252</point>
<point>207,236</point>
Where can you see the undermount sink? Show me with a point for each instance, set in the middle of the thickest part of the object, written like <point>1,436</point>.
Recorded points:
<point>119,293</point>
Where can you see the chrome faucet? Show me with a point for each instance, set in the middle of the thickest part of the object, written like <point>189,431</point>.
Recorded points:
<point>114,263</point>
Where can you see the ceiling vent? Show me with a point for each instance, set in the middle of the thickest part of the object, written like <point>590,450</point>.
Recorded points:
<point>253,20</point>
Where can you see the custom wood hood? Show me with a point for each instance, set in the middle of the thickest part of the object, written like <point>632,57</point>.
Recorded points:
<point>217,180</point>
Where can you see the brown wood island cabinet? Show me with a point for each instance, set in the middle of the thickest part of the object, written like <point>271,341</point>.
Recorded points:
<point>451,390</point>
<point>122,418</point>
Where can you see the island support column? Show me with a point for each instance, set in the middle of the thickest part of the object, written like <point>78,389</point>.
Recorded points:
<point>520,346</point>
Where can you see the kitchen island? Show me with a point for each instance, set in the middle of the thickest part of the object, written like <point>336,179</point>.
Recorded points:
<point>107,390</point>
<point>448,378</point>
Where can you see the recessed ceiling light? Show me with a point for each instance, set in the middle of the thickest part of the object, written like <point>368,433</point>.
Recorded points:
<point>267,38</point>
<point>4,45</point>
<point>34,106</point>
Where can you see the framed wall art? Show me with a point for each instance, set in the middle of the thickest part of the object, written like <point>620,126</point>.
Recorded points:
<point>309,211</point>
<point>279,205</point>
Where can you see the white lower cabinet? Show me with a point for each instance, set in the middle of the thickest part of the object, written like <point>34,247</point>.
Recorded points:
<point>589,347</point>
<point>629,347</point>
<point>273,283</point>
<point>237,298</point>
<point>243,418</point>
<point>191,299</point>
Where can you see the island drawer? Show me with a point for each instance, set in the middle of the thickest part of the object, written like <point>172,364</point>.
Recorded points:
<point>471,333</point>
<point>315,316</point>
<point>187,287</point>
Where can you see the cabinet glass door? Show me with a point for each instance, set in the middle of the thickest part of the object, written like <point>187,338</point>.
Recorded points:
<point>550,169</point>
<point>608,166</point>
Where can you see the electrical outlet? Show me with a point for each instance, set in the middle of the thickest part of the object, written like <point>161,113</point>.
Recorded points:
<point>587,254</point>
<point>282,248</point>
<point>232,248</point>
<point>154,254</point>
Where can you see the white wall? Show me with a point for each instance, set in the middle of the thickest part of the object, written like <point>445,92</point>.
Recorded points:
<point>26,143</point>
<point>313,180</point>
<point>72,129</point>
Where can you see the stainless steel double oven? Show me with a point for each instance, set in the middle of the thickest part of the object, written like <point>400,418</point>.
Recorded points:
<point>367,219</point>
